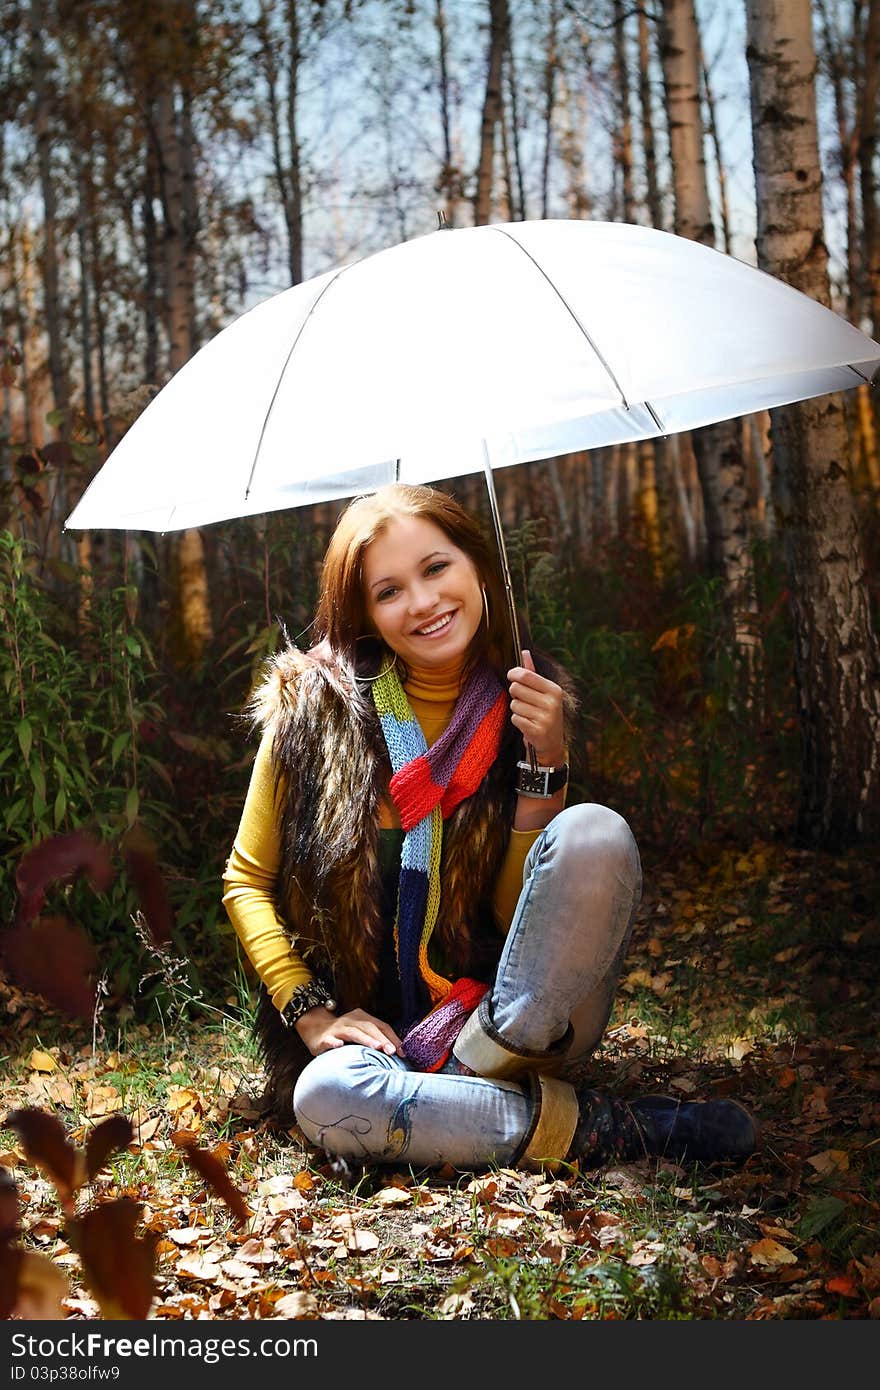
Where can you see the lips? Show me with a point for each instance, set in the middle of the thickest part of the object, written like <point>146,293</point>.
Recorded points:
<point>435,627</point>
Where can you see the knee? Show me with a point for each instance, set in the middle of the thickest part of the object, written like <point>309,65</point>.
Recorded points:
<point>320,1083</point>
<point>336,1074</point>
<point>596,836</point>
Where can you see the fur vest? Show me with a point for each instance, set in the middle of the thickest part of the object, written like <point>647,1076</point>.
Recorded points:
<point>331,768</point>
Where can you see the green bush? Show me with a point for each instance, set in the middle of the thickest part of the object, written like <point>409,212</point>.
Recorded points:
<point>71,748</point>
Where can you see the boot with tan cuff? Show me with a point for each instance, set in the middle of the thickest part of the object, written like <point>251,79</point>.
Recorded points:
<point>592,1128</point>
<point>577,1124</point>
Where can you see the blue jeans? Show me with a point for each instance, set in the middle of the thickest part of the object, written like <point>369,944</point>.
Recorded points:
<point>555,980</point>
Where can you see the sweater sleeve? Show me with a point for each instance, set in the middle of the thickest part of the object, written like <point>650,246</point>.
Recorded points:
<point>509,883</point>
<point>249,882</point>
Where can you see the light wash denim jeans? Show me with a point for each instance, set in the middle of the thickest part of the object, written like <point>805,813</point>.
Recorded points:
<point>581,887</point>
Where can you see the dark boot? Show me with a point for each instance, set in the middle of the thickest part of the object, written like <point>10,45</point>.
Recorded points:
<point>709,1131</point>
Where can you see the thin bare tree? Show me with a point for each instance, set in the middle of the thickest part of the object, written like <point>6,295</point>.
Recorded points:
<point>499,30</point>
<point>718,448</point>
<point>837,660</point>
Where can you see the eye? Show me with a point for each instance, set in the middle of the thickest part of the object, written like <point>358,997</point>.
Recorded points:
<point>385,594</point>
<point>437,566</point>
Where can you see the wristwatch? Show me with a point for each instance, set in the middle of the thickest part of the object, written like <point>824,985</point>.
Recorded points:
<point>540,781</point>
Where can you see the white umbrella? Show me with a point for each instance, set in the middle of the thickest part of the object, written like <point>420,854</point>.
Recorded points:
<point>465,351</point>
<point>497,344</point>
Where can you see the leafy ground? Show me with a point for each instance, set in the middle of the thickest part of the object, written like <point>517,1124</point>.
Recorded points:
<point>753,974</point>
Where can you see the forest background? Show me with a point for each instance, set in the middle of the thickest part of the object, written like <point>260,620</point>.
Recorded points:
<point>165,166</point>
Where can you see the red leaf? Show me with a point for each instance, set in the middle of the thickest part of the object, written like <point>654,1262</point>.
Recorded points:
<point>55,958</point>
<point>844,1285</point>
<point>117,1264</point>
<point>217,1178</point>
<point>60,857</point>
<point>143,869</point>
<point>106,1139</point>
<point>45,1144</point>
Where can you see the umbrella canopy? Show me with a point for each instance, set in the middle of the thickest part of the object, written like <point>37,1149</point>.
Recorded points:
<point>501,344</point>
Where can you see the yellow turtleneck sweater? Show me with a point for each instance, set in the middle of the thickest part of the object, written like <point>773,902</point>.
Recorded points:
<point>252,867</point>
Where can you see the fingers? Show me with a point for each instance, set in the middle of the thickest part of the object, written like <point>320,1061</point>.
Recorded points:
<point>532,729</point>
<point>536,706</point>
<point>536,702</point>
<point>360,1027</point>
<point>527,684</point>
<point>527,669</point>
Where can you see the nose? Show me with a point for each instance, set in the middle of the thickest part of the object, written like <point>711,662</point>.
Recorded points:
<point>421,598</point>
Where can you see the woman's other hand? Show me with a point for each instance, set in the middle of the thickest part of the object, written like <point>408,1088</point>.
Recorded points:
<point>322,1030</point>
<point>536,708</point>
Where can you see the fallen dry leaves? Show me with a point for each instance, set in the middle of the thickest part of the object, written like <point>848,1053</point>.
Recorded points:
<point>259,1226</point>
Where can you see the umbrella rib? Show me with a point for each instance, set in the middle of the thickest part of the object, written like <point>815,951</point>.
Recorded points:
<point>564,301</point>
<point>302,329</point>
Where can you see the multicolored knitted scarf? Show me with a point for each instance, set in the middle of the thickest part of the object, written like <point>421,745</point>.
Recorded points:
<point>426,786</point>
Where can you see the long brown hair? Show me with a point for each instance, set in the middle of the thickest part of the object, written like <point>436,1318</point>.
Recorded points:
<point>341,616</point>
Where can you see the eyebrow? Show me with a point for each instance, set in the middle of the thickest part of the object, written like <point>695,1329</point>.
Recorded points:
<point>424,560</point>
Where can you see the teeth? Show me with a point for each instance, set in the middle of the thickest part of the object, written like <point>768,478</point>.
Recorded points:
<point>435,627</point>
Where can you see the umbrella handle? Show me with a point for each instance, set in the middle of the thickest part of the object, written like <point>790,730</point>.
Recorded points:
<point>508,583</point>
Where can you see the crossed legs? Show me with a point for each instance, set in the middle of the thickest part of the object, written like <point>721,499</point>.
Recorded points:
<point>548,1007</point>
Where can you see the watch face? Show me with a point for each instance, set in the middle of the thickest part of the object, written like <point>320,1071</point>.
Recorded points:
<point>535,782</point>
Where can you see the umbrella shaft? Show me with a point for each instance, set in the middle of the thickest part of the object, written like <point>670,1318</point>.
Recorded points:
<point>508,584</point>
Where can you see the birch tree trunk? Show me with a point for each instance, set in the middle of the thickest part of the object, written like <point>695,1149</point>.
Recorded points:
<point>868,116</point>
<point>680,58</point>
<point>718,448</point>
<point>107,424</point>
<point>450,177</point>
<point>551,67</point>
<point>286,178</point>
<point>42,88</point>
<point>177,272</point>
<point>506,167</point>
<point>655,461</point>
<point>847,140</point>
<point>151,310</point>
<point>21,277</point>
<point>499,28</point>
<point>837,662</point>
<point>623,132</point>
<point>50,268</point>
<point>715,136</point>
<point>572,143</point>
<point>293,211</point>
<point>514,140</point>
<point>85,279</point>
<point>177,190</point>
<point>652,187</point>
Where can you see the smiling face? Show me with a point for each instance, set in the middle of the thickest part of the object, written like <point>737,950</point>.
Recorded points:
<point>423,594</point>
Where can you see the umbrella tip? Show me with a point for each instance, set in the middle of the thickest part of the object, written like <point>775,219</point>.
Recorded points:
<point>442,224</point>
